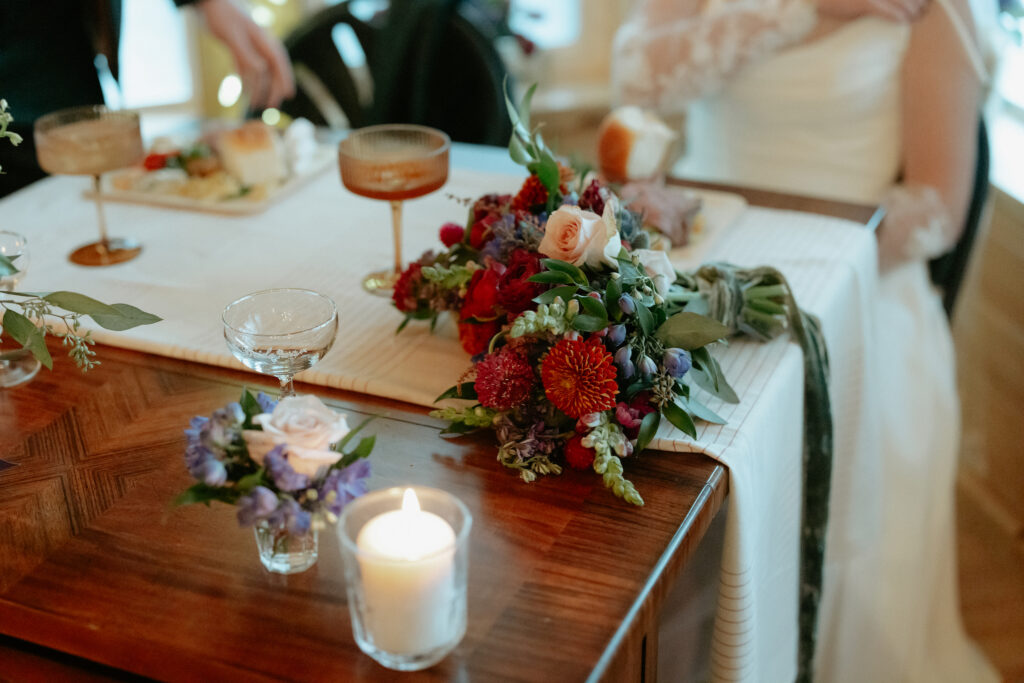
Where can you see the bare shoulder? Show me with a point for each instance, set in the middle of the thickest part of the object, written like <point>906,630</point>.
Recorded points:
<point>936,41</point>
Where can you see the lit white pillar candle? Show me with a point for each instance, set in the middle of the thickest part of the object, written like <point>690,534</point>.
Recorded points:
<point>407,562</point>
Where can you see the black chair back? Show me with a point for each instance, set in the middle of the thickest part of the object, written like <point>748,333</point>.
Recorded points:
<point>947,271</point>
<point>429,64</point>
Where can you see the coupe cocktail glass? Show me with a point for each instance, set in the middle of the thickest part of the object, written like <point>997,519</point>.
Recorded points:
<point>281,332</point>
<point>393,162</point>
<point>92,140</point>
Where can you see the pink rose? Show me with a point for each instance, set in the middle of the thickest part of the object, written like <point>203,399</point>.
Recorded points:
<point>581,237</point>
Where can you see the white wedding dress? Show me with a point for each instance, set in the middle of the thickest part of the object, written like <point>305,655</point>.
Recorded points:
<point>823,118</point>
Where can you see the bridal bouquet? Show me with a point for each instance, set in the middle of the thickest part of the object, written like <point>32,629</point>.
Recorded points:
<point>582,338</point>
<point>284,463</point>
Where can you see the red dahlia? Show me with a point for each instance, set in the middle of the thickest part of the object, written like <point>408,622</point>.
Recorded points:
<point>530,195</point>
<point>578,455</point>
<point>579,377</point>
<point>504,379</point>
<point>404,294</point>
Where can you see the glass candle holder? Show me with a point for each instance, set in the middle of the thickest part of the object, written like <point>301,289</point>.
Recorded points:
<point>406,557</point>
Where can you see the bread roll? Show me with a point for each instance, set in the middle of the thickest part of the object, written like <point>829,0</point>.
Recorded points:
<point>252,153</point>
<point>633,144</point>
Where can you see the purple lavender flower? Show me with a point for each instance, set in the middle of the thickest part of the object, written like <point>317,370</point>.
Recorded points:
<point>281,473</point>
<point>290,516</point>
<point>623,360</point>
<point>266,403</point>
<point>627,305</point>
<point>616,335</point>
<point>647,366</point>
<point>212,472</point>
<point>346,484</point>
<point>677,362</point>
<point>257,505</point>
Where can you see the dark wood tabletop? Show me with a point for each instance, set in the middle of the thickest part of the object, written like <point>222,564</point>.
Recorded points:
<point>101,578</point>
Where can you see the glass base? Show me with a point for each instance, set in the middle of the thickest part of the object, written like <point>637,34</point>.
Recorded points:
<point>18,369</point>
<point>381,282</point>
<point>416,662</point>
<point>283,553</point>
<point>116,250</point>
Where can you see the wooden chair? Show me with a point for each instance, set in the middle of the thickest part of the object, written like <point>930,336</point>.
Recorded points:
<point>947,271</point>
<point>428,63</point>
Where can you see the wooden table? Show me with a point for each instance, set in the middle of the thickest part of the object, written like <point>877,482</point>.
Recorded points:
<point>99,576</point>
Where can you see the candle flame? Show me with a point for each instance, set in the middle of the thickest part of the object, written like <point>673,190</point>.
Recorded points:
<point>410,503</point>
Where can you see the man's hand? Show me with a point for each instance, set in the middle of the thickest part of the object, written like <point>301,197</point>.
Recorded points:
<point>260,57</point>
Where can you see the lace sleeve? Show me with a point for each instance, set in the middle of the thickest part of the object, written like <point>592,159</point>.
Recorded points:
<point>917,226</point>
<point>666,56</point>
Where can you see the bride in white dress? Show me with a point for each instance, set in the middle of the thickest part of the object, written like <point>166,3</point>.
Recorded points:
<point>841,100</point>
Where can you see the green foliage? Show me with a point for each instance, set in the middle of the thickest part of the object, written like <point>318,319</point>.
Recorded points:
<point>527,148</point>
<point>466,391</point>
<point>27,318</point>
<point>691,331</point>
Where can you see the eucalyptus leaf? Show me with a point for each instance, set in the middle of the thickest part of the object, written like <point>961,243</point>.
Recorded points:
<point>552,277</point>
<point>79,303</point>
<point>250,407</point>
<point>517,151</point>
<point>549,296</point>
<point>564,267</point>
<point>636,387</point>
<point>589,323</point>
<point>362,450</point>
<point>593,307</point>
<point>340,446</point>
<point>25,332</point>
<point>126,317</point>
<point>201,493</point>
<point>701,411</point>
<point>648,429</point>
<point>251,481</point>
<point>613,291</point>
<point>458,428</point>
<point>466,390</point>
<point>690,331</point>
<point>7,266</point>
<point>680,418</point>
<point>643,315</point>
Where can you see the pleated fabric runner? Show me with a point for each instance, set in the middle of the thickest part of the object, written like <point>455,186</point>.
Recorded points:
<point>326,239</point>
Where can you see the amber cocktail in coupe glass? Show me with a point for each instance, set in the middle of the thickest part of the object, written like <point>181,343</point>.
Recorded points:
<point>92,140</point>
<point>393,162</point>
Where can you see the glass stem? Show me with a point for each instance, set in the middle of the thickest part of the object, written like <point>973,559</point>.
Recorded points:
<point>396,227</point>
<point>104,240</point>
<point>287,387</point>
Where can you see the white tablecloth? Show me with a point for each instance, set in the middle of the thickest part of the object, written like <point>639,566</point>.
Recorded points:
<point>326,239</point>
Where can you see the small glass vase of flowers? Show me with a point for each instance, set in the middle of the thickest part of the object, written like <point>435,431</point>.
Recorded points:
<point>284,464</point>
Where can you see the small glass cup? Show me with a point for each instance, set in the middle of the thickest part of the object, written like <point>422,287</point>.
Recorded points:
<point>406,567</point>
<point>17,366</point>
<point>282,552</point>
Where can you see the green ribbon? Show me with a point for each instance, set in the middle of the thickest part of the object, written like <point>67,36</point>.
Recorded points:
<point>758,302</point>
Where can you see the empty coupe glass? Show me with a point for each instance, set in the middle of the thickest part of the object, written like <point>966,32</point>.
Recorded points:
<point>281,332</point>
<point>17,366</point>
<point>394,162</point>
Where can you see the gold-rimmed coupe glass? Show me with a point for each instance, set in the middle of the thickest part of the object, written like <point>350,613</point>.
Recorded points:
<point>92,140</point>
<point>393,162</point>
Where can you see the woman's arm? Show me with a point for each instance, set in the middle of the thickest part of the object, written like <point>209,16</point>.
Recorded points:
<point>941,101</point>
